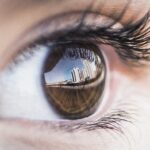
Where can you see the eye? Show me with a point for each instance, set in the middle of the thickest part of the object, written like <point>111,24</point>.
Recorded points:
<point>56,79</point>
<point>51,82</point>
<point>74,79</point>
<point>59,75</point>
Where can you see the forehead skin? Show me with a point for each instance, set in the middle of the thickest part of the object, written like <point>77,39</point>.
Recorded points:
<point>16,16</point>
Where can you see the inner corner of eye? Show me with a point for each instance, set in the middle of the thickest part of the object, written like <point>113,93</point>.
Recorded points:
<point>74,79</point>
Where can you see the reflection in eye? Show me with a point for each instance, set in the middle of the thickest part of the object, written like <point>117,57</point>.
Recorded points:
<point>74,76</point>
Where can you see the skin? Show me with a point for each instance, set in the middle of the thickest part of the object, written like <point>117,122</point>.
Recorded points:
<point>18,16</point>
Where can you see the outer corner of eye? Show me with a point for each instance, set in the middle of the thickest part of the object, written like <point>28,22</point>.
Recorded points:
<point>74,79</point>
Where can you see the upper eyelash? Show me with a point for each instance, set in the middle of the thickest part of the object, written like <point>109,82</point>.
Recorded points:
<point>130,42</point>
<point>134,39</point>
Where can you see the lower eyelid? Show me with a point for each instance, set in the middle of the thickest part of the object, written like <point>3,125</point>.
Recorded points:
<point>50,134</point>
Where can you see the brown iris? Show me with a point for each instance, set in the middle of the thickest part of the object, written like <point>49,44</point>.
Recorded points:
<point>74,78</point>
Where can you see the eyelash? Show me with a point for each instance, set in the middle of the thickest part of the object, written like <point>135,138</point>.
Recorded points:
<point>112,121</point>
<point>129,43</point>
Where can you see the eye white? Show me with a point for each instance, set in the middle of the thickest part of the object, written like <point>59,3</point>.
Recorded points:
<point>21,93</point>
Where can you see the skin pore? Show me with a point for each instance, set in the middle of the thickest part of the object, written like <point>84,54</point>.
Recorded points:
<point>16,17</point>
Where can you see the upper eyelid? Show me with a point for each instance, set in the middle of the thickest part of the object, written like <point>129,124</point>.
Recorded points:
<point>36,32</point>
<point>133,48</point>
<point>132,41</point>
<point>28,37</point>
<point>40,30</point>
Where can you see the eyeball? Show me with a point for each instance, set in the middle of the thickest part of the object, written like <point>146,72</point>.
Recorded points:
<point>74,79</point>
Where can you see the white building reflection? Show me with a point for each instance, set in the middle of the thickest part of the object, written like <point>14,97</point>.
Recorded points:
<point>78,71</point>
<point>85,74</point>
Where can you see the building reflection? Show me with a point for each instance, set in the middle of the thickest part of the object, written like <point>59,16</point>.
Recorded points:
<point>85,74</point>
<point>86,70</point>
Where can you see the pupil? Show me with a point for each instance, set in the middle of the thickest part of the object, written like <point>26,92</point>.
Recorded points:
<point>74,77</point>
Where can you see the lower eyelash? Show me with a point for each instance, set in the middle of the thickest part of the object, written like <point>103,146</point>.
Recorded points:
<point>112,121</point>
